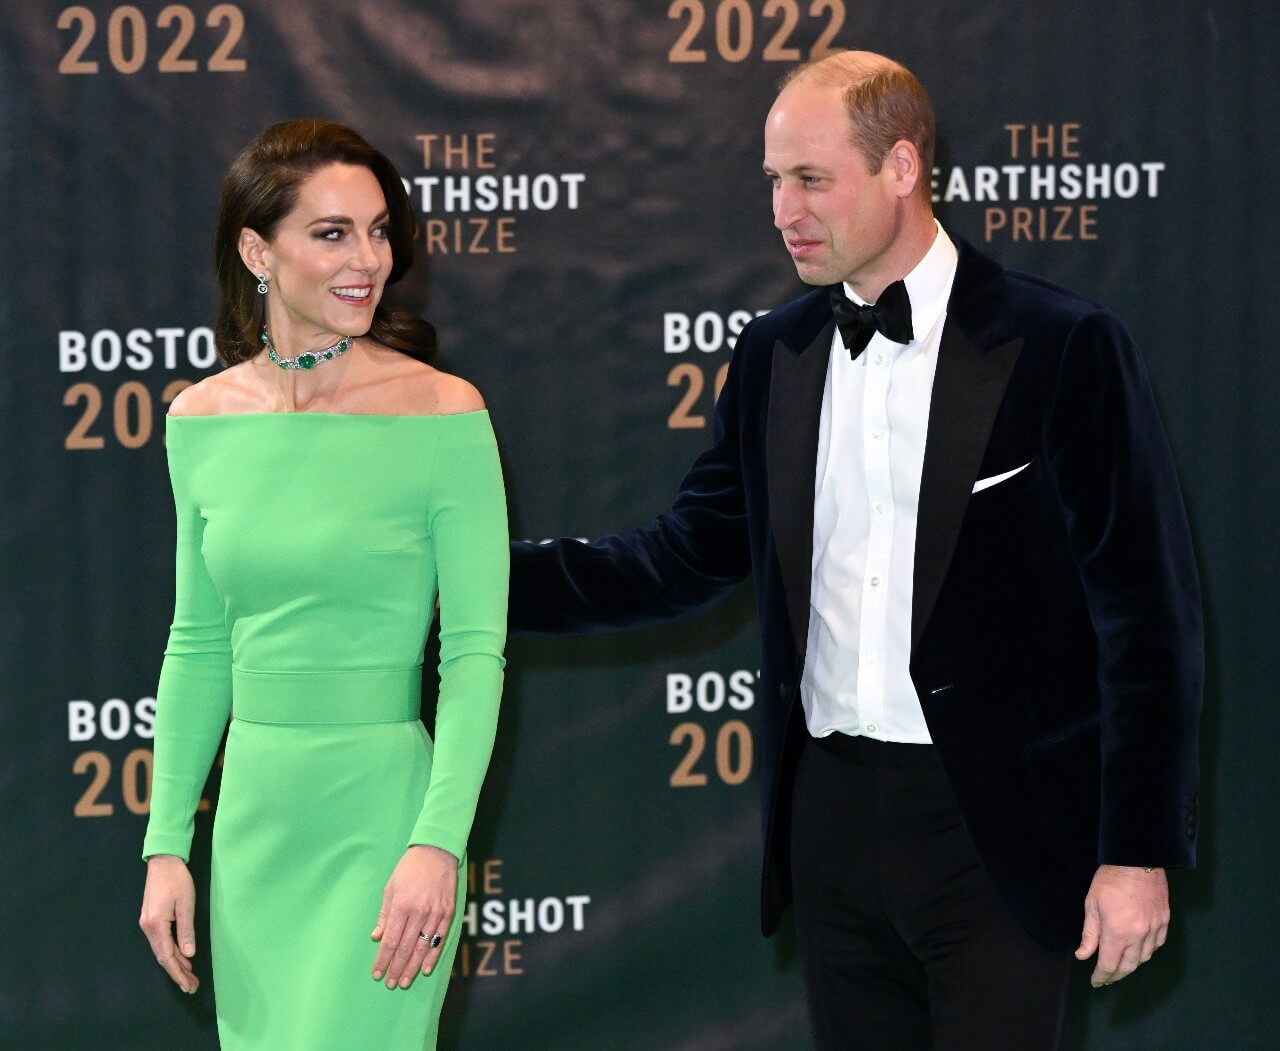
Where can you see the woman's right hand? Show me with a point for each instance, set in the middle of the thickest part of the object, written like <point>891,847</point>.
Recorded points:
<point>169,899</point>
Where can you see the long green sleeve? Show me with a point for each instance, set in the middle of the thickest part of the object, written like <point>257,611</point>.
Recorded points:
<point>468,524</point>
<point>193,700</point>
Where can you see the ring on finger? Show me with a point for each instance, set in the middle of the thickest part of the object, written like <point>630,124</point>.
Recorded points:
<point>433,941</point>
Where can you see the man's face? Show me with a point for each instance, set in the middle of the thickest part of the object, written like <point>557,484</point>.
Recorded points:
<point>836,218</point>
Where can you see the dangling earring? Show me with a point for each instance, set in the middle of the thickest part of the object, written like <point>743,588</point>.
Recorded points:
<point>262,284</point>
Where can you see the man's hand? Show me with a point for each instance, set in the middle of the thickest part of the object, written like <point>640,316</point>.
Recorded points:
<point>1126,919</point>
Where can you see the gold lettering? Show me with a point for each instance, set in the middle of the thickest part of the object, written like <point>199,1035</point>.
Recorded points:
<point>506,234</point>
<point>511,956</point>
<point>994,219</point>
<point>457,152</point>
<point>1064,216</point>
<point>483,968</point>
<point>1014,130</point>
<point>1070,140</point>
<point>477,246</point>
<point>1088,220</point>
<point>1059,222</point>
<point>1022,224</point>
<point>493,876</point>
<point>1043,138</point>
<point>470,236</point>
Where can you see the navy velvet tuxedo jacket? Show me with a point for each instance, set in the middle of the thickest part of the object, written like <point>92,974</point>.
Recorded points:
<point>1056,632</point>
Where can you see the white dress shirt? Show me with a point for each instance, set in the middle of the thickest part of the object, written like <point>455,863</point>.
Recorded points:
<point>875,415</point>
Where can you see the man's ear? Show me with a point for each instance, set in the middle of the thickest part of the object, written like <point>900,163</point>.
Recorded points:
<point>905,167</point>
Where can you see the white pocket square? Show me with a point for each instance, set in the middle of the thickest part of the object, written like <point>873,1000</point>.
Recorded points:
<point>996,479</point>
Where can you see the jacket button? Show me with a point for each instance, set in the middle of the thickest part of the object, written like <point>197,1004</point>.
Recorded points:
<point>782,690</point>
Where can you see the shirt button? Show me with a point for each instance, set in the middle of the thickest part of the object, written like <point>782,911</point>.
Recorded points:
<point>879,359</point>
<point>877,435</point>
<point>879,509</point>
<point>871,728</point>
<point>875,582</point>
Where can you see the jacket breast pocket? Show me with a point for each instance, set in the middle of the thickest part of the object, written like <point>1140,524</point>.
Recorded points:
<point>995,493</point>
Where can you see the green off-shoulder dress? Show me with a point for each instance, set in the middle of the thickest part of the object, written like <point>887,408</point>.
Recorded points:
<point>311,548</point>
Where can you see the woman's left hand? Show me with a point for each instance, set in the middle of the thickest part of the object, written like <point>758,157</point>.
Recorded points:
<point>419,900</point>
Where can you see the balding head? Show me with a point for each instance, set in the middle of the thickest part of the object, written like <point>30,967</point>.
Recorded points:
<point>884,101</point>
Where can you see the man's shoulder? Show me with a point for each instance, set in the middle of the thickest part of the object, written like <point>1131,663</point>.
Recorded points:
<point>1027,301</point>
<point>798,320</point>
<point>1032,295</point>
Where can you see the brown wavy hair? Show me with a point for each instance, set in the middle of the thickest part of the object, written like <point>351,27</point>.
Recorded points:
<point>261,188</point>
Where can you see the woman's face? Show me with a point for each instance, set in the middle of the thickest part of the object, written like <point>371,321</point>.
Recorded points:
<point>328,261</point>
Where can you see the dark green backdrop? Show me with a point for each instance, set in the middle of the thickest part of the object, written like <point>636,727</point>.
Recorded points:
<point>592,296</point>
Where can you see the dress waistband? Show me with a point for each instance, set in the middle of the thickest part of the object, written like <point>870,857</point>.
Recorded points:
<point>387,695</point>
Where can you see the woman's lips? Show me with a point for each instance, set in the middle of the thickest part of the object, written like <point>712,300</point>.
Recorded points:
<point>354,301</point>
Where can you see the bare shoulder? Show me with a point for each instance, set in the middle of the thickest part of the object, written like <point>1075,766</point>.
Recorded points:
<point>455,395</point>
<point>423,390</point>
<point>214,395</point>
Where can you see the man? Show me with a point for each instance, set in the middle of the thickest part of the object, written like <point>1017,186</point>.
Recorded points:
<point>981,639</point>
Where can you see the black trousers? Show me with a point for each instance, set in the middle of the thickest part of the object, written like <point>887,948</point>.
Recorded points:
<point>905,943</point>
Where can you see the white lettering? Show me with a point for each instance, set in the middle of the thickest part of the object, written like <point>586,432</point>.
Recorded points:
<point>546,191</point>
<point>1069,182</point>
<point>71,355</point>
<point>1097,181</point>
<point>742,694</point>
<point>675,333</point>
<point>515,193</point>
<point>577,904</point>
<point>710,691</point>
<point>106,350</point>
<point>144,714</point>
<point>80,721</point>
<point>487,193</point>
<point>1012,172</point>
<point>1126,180</point>
<point>202,351</point>
<point>1153,170</point>
<point>708,331</point>
<point>113,720</point>
<point>957,187</point>
<point>493,922</point>
<point>571,183</point>
<point>1043,177</point>
<point>985,180</point>
<point>457,194</point>
<point>520,916</point>
<point>679,693</point>
<point>550,915</point>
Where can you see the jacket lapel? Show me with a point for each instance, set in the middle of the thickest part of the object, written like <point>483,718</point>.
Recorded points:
<point>975,360</point>
<point>795,403</point>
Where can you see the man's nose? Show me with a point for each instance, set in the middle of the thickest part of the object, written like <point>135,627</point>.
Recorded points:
<point>787,207</point>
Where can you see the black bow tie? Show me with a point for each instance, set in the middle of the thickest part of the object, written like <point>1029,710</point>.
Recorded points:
<point>890,315</point>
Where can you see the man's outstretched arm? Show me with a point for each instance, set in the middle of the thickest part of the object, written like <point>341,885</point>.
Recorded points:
<point>687,558</point>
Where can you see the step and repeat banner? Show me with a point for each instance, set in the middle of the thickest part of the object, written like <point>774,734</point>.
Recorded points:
<point>595,231</point>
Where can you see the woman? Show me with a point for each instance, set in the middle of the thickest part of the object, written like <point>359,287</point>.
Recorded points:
<point>328,484</point>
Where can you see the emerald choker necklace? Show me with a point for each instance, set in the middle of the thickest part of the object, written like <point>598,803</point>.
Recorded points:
<point>309,360</point>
